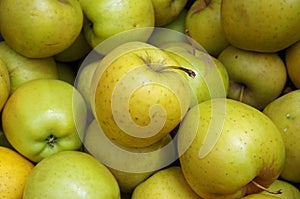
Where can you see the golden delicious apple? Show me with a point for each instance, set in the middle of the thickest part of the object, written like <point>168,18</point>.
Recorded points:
<point>166,11</point>
<point>288,191</point>
<point>139,94</point>
<point>263,26</point>
<point>255,78</point>
<point>71,175</point>
<point>285,113</point>
<point>42,118</point>
<point>22,69</point>
<point>292,61</point>
<point>166,183</point>
<point>204,25</point>
<point>129,165</point>
<point>106,18</point>
<point>229,149</point>
<point>40,28</point>
<point>4,84</point>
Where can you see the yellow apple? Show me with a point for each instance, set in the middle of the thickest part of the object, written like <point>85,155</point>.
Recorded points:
<point>260,196</point>
<point>40,28</point>
<point>288,191</point>
<point>228,148</point>
<point>139,94</point>
<point>285,113</point>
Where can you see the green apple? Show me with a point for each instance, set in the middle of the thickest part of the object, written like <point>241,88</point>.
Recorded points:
<point>288,190</point>
<point>4,84</point>
<point>139,94</point>
<point>178,24</point>
<point>167,10</point>
<point>292,61</point>
<point>255,78</point>
<point>263,26</point>
<point>66,72</point>
<point>71,175</point>
<point>203,22</point>
<point>79,48</point>
<point>106,18</point>
<point>22,69</point>
<point>211,79</point>
<point>166,183</point>
<point>229,149</point>
<point>42,118</point>
<point>40,28</point>
<point>260,196</point>
<point>129,165</point>
<point>285,113</point>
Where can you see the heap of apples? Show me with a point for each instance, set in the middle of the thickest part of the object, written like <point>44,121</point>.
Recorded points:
<point>151,99</point>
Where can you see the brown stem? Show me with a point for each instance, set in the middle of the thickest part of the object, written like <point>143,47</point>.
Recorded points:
<point>242,93</point>
<point>265,189</point>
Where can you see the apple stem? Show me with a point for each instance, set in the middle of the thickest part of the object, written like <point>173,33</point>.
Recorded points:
<point>265,189</point>
<point>190,73</point>
<point>242,93</point>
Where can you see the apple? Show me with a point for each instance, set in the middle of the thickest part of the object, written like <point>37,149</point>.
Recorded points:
<point>129,165</point>
<point>41,28</point>
<point>292,61</point>
<point>43,117</point>
<point>211,79</point>
<point>288,190</point>
<point>66,72</point>
<point>262,26</point>
<point>203,22</point>
<point>228,149</point>
<point>71,174</point>
<point>4,84</point>
<point>139,94</point>
<point>255,78</point>
<point>285,113</point>
<point>166,183</point>
<point>260,196</point>
<point>167,10</point>
<point>22,69</point>
<point>78,49</point>
<point>106,18</point>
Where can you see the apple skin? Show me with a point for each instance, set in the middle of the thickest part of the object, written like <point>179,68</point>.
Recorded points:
<point>292,61</point>
<point>255,78</point>
<point>260,196</point>
<point>166,11</point>
<point>203,22</point>
<point>40,118</point>
<point>106,18</point>
<point>262,26</point>
<point>22,69</point>
<point>71,175</point>
<point>288,190</point>
<point>39,26</point>
<point>137,95</point>
<point>166,183</point>
<point>4,84</point>
<point>285,113</point>
<point>228,134</point>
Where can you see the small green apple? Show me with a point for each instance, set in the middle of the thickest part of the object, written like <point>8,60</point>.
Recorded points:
<point>288,191</point>
<point>285,113</point>
<point>71,175</point>
<point>4,84</point>
<point>139,94</point>
<point>292,61</point>
<point>40,28</point>
<point>263,26</point>
<point>166,183</point>
<point>129,165</point>
<point>40,118</point>
<point>228,148</point>
<point>166,11</point>
<point>22,69</point>
<point>203,22</point>
<point>106,18</point>
<point>255,78</point>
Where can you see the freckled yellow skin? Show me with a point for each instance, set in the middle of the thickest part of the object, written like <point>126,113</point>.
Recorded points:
<point>129,89</point>
<point>14,170</point>
<point>285,113</point>
<point>249,146</point>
